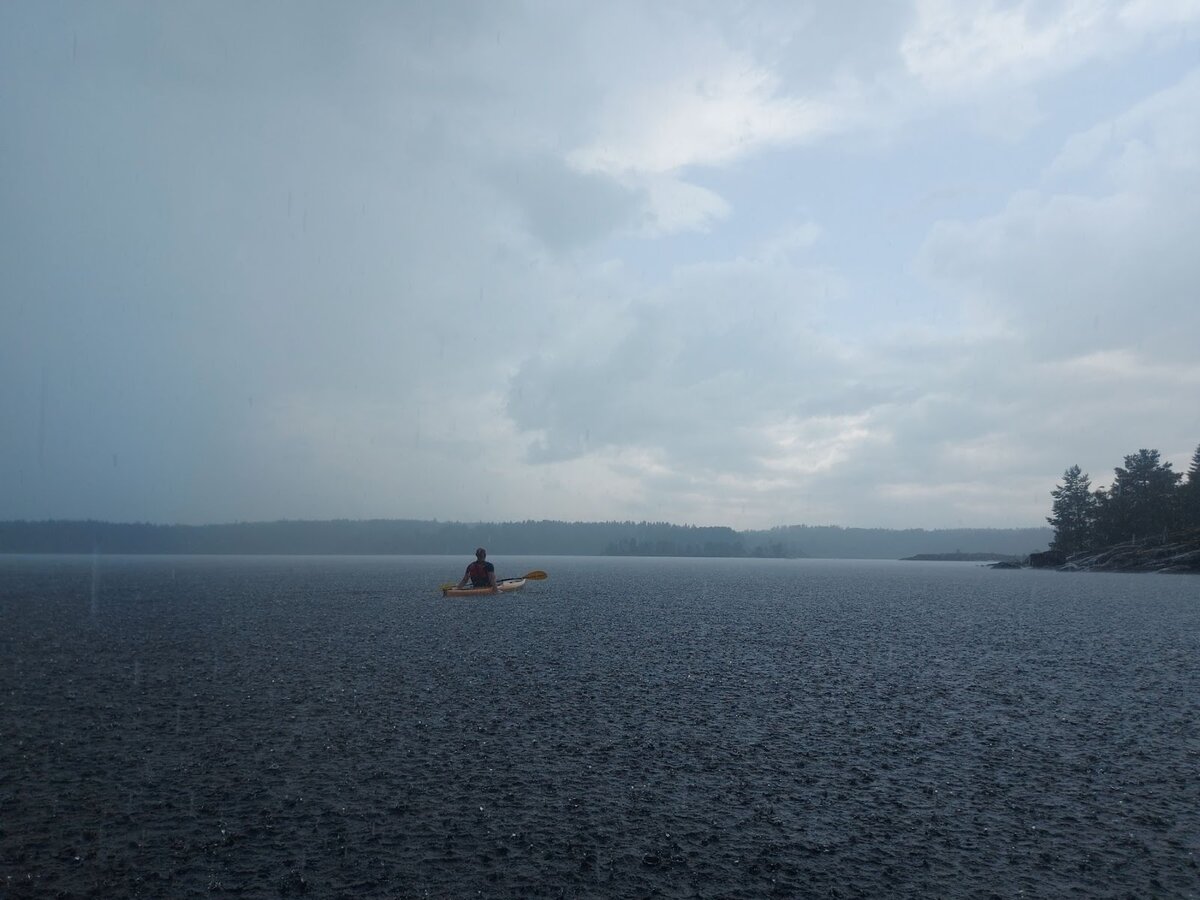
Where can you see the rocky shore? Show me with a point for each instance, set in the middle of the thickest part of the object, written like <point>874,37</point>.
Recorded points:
<point>1175,552</point>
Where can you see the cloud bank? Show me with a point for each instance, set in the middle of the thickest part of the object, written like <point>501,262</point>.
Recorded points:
<point>748,267</point>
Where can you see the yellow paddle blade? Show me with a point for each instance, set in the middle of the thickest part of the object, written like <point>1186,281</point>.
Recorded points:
<point>446,587</point>
<point>535,575</point>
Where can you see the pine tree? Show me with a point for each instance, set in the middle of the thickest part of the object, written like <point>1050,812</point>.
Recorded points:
<point>1189,495</point>
<point>1142,500</point>
<point>1074,513</point>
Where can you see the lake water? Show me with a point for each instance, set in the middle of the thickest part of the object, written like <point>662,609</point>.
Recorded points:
<point>329,727</point>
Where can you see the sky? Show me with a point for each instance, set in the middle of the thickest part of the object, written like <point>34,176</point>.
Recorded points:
<point>746,264</point>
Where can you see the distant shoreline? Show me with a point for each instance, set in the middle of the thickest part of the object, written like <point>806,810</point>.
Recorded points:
<point>415,537</point>
<point>961,557</point>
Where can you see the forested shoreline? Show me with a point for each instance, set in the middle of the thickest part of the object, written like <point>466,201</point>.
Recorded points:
<point>1148,505</point>
<point>1147,520</point>
<point>1147,497</point>
<point>553,538</point>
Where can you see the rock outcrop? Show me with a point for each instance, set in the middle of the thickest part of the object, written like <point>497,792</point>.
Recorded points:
<point>1175,552</point>
<point>1050,559</point>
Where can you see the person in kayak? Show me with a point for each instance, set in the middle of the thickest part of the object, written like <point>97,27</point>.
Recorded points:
<point>480,573</point>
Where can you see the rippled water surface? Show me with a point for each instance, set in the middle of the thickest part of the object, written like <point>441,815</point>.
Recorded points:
<point>628,728</point>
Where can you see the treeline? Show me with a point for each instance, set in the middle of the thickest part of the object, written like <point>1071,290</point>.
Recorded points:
<point>834,542</point>
<point>300,537</point>
<point>1147,498</point>
<point>423,537</point>
<point>665,539</point>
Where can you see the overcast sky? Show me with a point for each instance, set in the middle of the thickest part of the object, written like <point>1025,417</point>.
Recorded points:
<point>873,264</point>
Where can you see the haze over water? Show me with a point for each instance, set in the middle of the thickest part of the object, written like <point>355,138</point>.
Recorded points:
<point>629,727</point>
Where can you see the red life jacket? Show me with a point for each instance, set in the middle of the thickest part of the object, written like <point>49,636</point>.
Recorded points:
<point>479,572</point>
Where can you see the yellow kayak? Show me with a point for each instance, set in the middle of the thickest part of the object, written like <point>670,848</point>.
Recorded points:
<point>508,584</point>
<point>504,585</point>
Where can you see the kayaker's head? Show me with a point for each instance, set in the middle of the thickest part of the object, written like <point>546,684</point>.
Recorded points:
<point>480,553</point>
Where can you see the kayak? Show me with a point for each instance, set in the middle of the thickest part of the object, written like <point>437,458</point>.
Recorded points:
<point>504,585</point>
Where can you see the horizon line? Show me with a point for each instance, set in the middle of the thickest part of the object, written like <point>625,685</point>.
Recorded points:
<point>244,522</point>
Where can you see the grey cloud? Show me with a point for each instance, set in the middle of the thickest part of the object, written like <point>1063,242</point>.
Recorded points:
<point>1105,269</point>
<point>696,374</point>
<point>566,209</point>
